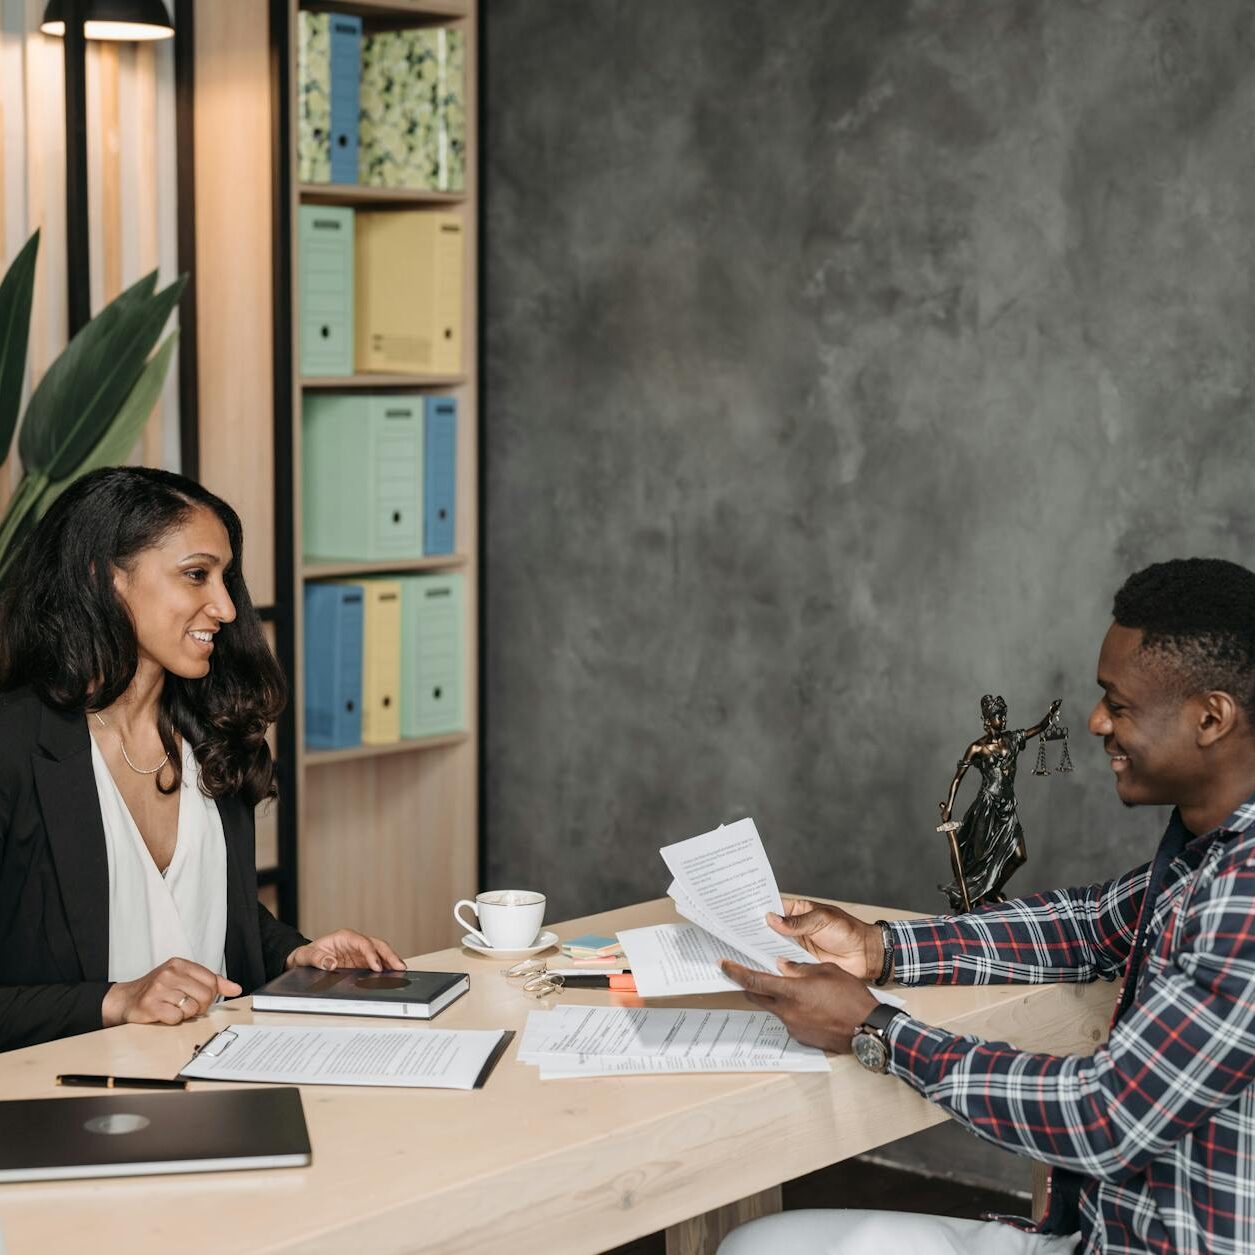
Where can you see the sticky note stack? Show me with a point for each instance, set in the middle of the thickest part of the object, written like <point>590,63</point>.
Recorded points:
<point>592,949</point>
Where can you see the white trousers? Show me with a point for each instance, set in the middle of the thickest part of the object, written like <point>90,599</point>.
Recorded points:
<point>884,1233</point>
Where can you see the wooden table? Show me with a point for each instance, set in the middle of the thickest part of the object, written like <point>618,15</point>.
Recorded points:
<point>521,1165</point>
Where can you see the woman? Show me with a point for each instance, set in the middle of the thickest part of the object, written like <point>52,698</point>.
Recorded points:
<point>136,688</point>
<point>990,840</point>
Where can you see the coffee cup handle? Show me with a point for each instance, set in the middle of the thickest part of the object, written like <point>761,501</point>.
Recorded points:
<point>474,932</point>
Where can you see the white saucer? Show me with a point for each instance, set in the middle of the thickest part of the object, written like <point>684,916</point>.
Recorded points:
<point>546,941</point>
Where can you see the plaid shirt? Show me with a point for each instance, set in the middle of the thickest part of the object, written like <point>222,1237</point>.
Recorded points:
<point>1161,1120</point>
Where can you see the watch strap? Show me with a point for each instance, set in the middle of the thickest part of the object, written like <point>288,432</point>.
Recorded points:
<point>881,1016</point>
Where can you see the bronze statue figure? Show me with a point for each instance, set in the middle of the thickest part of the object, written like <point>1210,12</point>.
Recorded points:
<point>987,847</point>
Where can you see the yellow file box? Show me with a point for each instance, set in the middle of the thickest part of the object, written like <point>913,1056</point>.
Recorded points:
<point>410,274</point>
<point>381,661</point>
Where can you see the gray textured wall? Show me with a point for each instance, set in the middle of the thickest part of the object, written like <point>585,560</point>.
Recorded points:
<point>843,357</point>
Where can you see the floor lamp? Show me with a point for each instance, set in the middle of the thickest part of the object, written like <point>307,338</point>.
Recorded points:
<point>77,21</point>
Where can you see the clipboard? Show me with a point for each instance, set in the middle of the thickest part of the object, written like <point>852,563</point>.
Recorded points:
<point>473,1062</point>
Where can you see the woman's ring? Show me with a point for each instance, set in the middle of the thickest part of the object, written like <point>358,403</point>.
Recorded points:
<point>180,1002</point>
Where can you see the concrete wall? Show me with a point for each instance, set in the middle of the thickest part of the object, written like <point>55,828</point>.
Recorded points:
<point>843,357</point>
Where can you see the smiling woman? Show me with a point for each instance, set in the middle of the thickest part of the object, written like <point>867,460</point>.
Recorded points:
<point>136,688</point>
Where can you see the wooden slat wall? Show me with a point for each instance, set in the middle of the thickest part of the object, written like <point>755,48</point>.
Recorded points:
<point>234,225</point>
<point>131,176</point>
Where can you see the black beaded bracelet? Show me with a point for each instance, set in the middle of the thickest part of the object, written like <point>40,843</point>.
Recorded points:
<point>886,966</point>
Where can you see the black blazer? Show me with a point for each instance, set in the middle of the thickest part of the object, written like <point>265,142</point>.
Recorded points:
<point>54,881</point>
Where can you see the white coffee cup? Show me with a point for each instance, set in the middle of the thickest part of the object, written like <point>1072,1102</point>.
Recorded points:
<point>509,919</point>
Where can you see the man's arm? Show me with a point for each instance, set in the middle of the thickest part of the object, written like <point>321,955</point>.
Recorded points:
<point>1063,935</point>
<point>1178,1056</point>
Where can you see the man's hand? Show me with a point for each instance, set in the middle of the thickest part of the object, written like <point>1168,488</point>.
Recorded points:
<point>820,1004</point>
<point>346,948</point>
<point>832,936</point>
<point>178,990</point>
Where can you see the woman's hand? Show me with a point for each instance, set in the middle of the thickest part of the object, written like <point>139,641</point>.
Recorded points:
<point>178,990</point>
<point>832,936</point>
<point>346,948</point>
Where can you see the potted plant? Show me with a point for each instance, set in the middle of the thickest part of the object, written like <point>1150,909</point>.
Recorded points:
<point>90,407</point>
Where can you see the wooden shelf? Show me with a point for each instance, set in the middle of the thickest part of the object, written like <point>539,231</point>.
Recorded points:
<point>321,382</point>
<point>332,569</point>
<point>378,12</point>
<point>356,194</point>
<point>317,758</point>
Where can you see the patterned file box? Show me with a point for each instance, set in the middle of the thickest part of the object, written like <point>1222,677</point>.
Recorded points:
<point>329,59</point>
<point>362,476</point>
<point>333,665</point>
<point>432,607</point>
<point>326,289</point>
<point>413,109</point>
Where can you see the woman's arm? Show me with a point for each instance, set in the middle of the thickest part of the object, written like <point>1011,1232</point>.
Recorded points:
<point>277,942</point>
<point>31,1014</point>
<point>1044,722</point>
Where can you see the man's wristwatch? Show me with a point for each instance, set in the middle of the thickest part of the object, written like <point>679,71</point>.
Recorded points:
<point>871,1038</point>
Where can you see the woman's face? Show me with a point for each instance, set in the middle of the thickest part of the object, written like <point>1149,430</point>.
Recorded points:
<point>176,595</point>
<point>996,723</point>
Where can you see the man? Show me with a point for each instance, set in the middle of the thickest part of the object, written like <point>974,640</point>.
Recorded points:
<point>1152,1139</point>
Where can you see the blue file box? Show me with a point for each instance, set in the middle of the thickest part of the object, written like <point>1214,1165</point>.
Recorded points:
<point>333,665</point>
<point>440,466</point>
<point>346,72</point>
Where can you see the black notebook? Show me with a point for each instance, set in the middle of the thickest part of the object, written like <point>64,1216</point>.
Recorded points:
<point>359,991</point>
<point>146,1134</point>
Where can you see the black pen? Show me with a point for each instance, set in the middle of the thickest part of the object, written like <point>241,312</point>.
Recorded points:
<point>119,1082</point>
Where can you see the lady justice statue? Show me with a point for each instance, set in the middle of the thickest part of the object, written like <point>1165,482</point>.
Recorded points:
<point>988,845</point>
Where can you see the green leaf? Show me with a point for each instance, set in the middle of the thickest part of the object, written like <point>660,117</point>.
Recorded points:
<point>84,388</point>
<point>123,434</point>
<point>16,293</point>
<point>23,501</point>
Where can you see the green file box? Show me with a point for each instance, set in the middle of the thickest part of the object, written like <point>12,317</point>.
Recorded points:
<point>326,241</point>
<point>362,476</point>
<point>432,613</point>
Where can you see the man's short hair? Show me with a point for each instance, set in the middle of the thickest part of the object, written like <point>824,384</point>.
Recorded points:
<point>1197,616</point>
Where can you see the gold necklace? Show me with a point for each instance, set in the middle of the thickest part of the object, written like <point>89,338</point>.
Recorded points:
<point>139,771</point>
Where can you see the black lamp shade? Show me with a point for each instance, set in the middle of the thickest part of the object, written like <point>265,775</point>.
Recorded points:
<point>125,20</point>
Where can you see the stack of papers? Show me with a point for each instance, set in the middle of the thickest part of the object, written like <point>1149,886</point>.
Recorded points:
<point>577,1041</point>
<point>723,884</point>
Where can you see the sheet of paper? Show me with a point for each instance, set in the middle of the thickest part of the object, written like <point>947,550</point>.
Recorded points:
<point>410,1056</point>
<point>567,1067</point>
<point>725,879</point>
<point>662,1031</point>
<point>661,1039</point>
<point>670,959</point>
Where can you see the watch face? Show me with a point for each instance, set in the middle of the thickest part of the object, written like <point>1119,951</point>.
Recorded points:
<point>870,1051</point>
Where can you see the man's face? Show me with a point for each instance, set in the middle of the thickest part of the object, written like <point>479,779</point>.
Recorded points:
<point>1148,730</point>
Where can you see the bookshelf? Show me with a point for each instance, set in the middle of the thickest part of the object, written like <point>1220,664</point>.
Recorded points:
<point>380,837</point>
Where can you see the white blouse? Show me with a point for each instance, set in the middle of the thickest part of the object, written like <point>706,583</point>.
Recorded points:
<point>182,914</point>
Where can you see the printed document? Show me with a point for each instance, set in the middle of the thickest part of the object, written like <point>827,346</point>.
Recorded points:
<point>724,885</point>
<point>599,1040</point>
<point>414,1057</point>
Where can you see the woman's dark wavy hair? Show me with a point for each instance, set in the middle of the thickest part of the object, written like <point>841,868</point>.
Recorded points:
<point>65,632</point>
